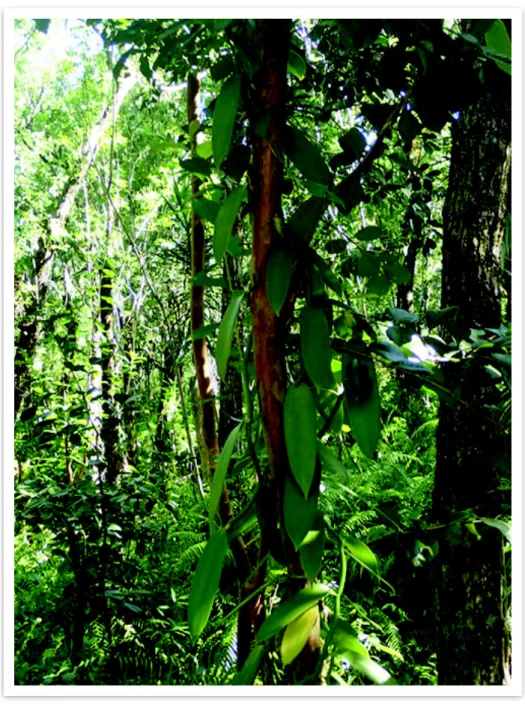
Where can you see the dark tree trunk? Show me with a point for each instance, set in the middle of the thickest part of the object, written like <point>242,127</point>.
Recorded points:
<point>470,441</point>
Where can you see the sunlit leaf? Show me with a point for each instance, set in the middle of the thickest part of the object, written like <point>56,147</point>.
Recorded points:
<point>296,64</point>
<point>290,610</point>
<point>221,468</point>
<point>296,634</point>
<point>205,583</point>
<point>225,336</point>
<point>248,672</point>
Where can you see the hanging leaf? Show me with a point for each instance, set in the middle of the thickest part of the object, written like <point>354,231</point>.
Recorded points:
<point>206,209</point>
<point>503,526</point>
<point>300,434</point>
<point>299,512</point>
<point>498,41</point>
<point>196,165</point>
<point>345,640</point>
<point>372,670</point>
<point>204,149</point>
<point>42,25</point>
<point>306,156</point>
<point>205,583</point>
<point>225,221</point>
<point>278,275</point>
<point>296,64</point>
<point>361,553</point>
<point>251,666</point>
<point>327,273</point>
<point>311,550</point>
<point>224,118</point>
<point>221,469</point>
<point>304,220</point>
<point>353,143</point>
<point>362,402</point>
<point>290,610</point>
<point>331,463</point>
<point>315,347</point>
<point>371,232</point>
<point>225,336</point>
<point>296,634</point>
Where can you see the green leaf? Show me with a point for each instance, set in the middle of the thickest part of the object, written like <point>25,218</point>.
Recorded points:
<point>398,273</point>
<point>299,513</point>
<point>353,143</point>
<point>296,64</point>
<point>306,156</point>
<point>221,469</point>
<point>225,336</point>
<point>251,666</point>
<point>303,223</point>
<point>372,670</point>
<point>362,402</point>
<point>361,553</point>
<point>371,232</point>
<point>399,315</point>
<point>42,25</point>
<point>296,634</point>
<point>196,165</point>
<point>345,640</point>
<point>278,275</point>
<point>204,149</point>
<point>224,118</point>
<point>206,209</point>
<point>498,41</point>
<point>315,347</point>
<point>503,526</point>
<point>300,434</point>
<point>327,273</point>
<point>290,610</point>
<point>205,583</point>
<point>331,463</point>
<point>311,551</point>
<point>225,220</point>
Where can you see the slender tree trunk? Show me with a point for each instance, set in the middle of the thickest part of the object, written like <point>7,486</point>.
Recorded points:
<point>269,330</point>
<point>470,442</point>
<point>52,229</point>
<point>206,392</point>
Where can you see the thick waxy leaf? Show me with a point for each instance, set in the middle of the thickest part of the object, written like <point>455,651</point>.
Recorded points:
<point>278,276</point>
<point>303,223</point>
<point>224,118</point>
<point>299,512</point>
<point>362,402</point>
<point>296,634</point>
<point>306,156</point>
<point>221,468</point>
<point>353,143</point>
<point>224,339</point>
<point>300,434</point>
<point>362,554</point>
<point>503,526</point>
<point>371,232</point>
<point>225,220</point>
<point>296,64</point>
<point>345,639</point>
<point>204,149</point>
<point>498,41</point>
<point>251,666</point>
<point>196,165</point>
<point>315,347</point>
<point>372,670</point>
<point>311,552</point>
<point>290,610</point>
<point>206,209</point>
<point>331,463</point>
<point>327,274</point>
<point>205,583</point>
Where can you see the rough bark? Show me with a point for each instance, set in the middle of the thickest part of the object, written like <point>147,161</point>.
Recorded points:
<point>470,628</point>
<point>269,330</point>
<point>52,229</point>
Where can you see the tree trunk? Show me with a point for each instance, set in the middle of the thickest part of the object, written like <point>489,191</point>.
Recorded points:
<point>269,330</point>
<point>470,627</point>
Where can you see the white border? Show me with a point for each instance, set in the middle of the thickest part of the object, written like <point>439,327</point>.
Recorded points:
<point>121,8</point>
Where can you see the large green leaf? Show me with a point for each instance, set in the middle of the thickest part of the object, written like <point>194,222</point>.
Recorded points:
<point>290,610</point>
<point>315,347</point>
<point>299,512</point>
<point>278,275</point>
<point>303,222</point>
<point>205,583</point>
<point>306,156</point>
<point>328,275</point>
<point>503,526</point>
<point>224,118</point>
<point>196,165</point>
<point>300,434</point>
<point>221,468</point>
<point>296,64</point>
<point>361,553</point>
<point>345,639</point>
<point>251,666</point>
<point>371,232</point>
<point>206,209</point>
<point>311,550</point>
<point>296,634</point>
<point>225,220</point>
<point>371,669</point>
<point>331,463</point>
<point>362,402</point>
<point>498,41</point>
<point>225,336</point>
